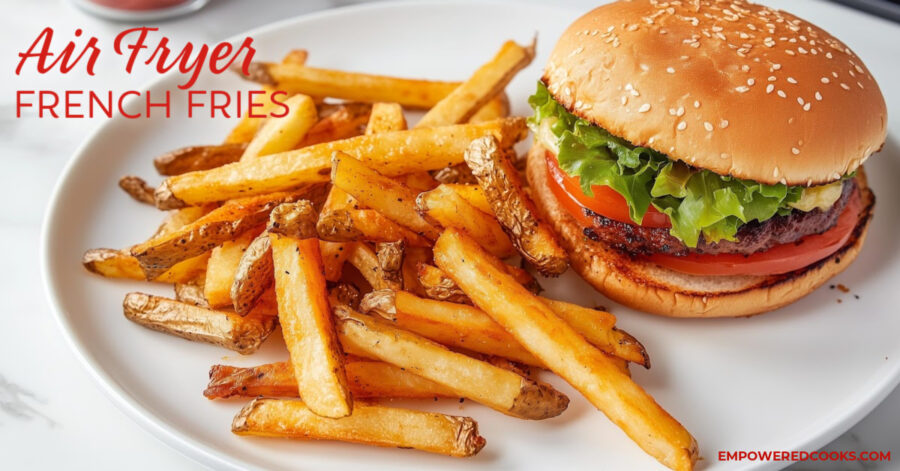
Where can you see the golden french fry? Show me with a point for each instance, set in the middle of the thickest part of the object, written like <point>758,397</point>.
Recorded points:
<point>366,379</point>
<point>284,133</point>
<point>390,259</point>
<point>348,225</point>
<point>138,189</point>
<point>513,208</point>
<point>190,159</point>
<point>334,254</point>
<point>494,387</point>
<point>222,268</point>
<point>392,199</point>
<point>247,127</point>
<point>414,256</point>
<point>365,260</point>
<point>113,263</point>
<point>191,292</point>
<point>496,108</point>
<point>458,173</point>
<point>391,154</point>
<point>386,117</point>
<point>304,311</point>
<point>565,351</point>
<point>253,275</point>
<point>444,207</point>
<point>348,120</point>
<point>437,285</point>
<point>489,80</point>
<point>350,85</point>
<point>369,424</point>
<point>226,329</point>
<point>474,194</point>
<point>220,225</point>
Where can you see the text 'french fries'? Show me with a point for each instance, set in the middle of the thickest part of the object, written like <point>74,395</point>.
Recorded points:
<point>369,424</point>
<point>564,351</point>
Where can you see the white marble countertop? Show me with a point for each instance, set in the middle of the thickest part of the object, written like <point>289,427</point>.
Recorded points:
<point>52,415</point>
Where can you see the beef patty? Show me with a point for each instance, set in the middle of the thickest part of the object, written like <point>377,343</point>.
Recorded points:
<point>751,237</point>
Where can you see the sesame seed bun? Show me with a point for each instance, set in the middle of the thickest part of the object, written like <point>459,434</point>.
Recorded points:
<point>733,87</point>
<point>648,287</point>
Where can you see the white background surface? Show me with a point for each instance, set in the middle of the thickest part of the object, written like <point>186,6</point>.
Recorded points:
<point>51,414</point>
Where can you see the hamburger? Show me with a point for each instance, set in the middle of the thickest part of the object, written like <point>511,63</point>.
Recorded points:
<point>704,158</point>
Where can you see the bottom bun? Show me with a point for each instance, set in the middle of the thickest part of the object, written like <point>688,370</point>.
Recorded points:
<point>649,287</point>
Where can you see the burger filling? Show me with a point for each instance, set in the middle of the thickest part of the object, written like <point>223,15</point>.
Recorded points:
<point>673,208</point>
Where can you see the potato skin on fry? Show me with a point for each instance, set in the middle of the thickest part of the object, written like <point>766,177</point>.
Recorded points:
<point>241,334</point>
<point>193,158</point>
<point>254,274</point>
<point>138,189</point>
<point>369,424</point>
<point>514,209</point>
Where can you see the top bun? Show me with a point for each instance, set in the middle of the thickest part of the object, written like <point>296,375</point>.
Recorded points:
<point>733,87</point>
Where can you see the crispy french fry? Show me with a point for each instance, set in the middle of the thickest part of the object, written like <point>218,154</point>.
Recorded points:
<point>392,199</point>
<point>253,275</point>
<point>348,120</point>
<point>138,189</point>
<point>350,85</point>
<point>393,153</point>
<point>247,127</point>
<point>112,263</point>
<point>473,194</point>
<point>444,207</point>
<point>458,173</point>
<point>437,285</point>
<point>386,117</point>
<point>193,158</point>
<point>367,379</point>
<point>284,133</point>
<point>334,254</point>
<point>514,209</point>
<point>348,225</point>
<point>366,261</point>
<point>494,387</point>
<point>369,424</point>
<point>496,108</point>
<point>222,268</point>
<point>453,325</point>
<point>489,80</point>
<point>304,311</point>
<point>227,329</point>
<point>564,351</point>
<point>464,326</point>
<point>390,259</point>
<point>220,225</point>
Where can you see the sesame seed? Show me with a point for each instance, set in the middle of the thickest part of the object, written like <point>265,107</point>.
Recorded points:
<point>775,172</point>
<point>828,55</point>
<point>708,126</point>
<point>745,68</point>
<point>781,94</point>
<point>818,96</point>
<point>845,86</point>
<point>807,106</point>
<point>772,78</point>
<point>696,103</point>
<point>776,66</point>
<point>673,111</point>
<point>724,155</point>
<point>769,88</point>
<point>800,100</point>
<point>801,50</point>
<point>680,111</point>
<point>624,100</point>
<point>751,82</point>
<point>792,80</point>
<point>681,126</point>
<point>826,80</point>
<point>742,89</point>
<point>670,70</point>
<point>644,108</point>
<point>723,124</point>
<point>790,52</point>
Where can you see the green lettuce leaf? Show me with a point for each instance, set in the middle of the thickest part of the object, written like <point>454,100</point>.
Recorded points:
<point>698,202</point>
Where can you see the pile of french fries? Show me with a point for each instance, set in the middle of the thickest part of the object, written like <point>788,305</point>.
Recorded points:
<point>379,250</point>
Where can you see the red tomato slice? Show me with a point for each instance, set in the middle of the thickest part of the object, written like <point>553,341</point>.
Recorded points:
<point>779,259</point>
<point>605,202</point>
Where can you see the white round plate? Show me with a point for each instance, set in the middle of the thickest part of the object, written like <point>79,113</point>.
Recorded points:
<point>789,380</point>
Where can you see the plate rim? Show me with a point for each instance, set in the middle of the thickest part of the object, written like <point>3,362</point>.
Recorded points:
<point>839,421</point>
